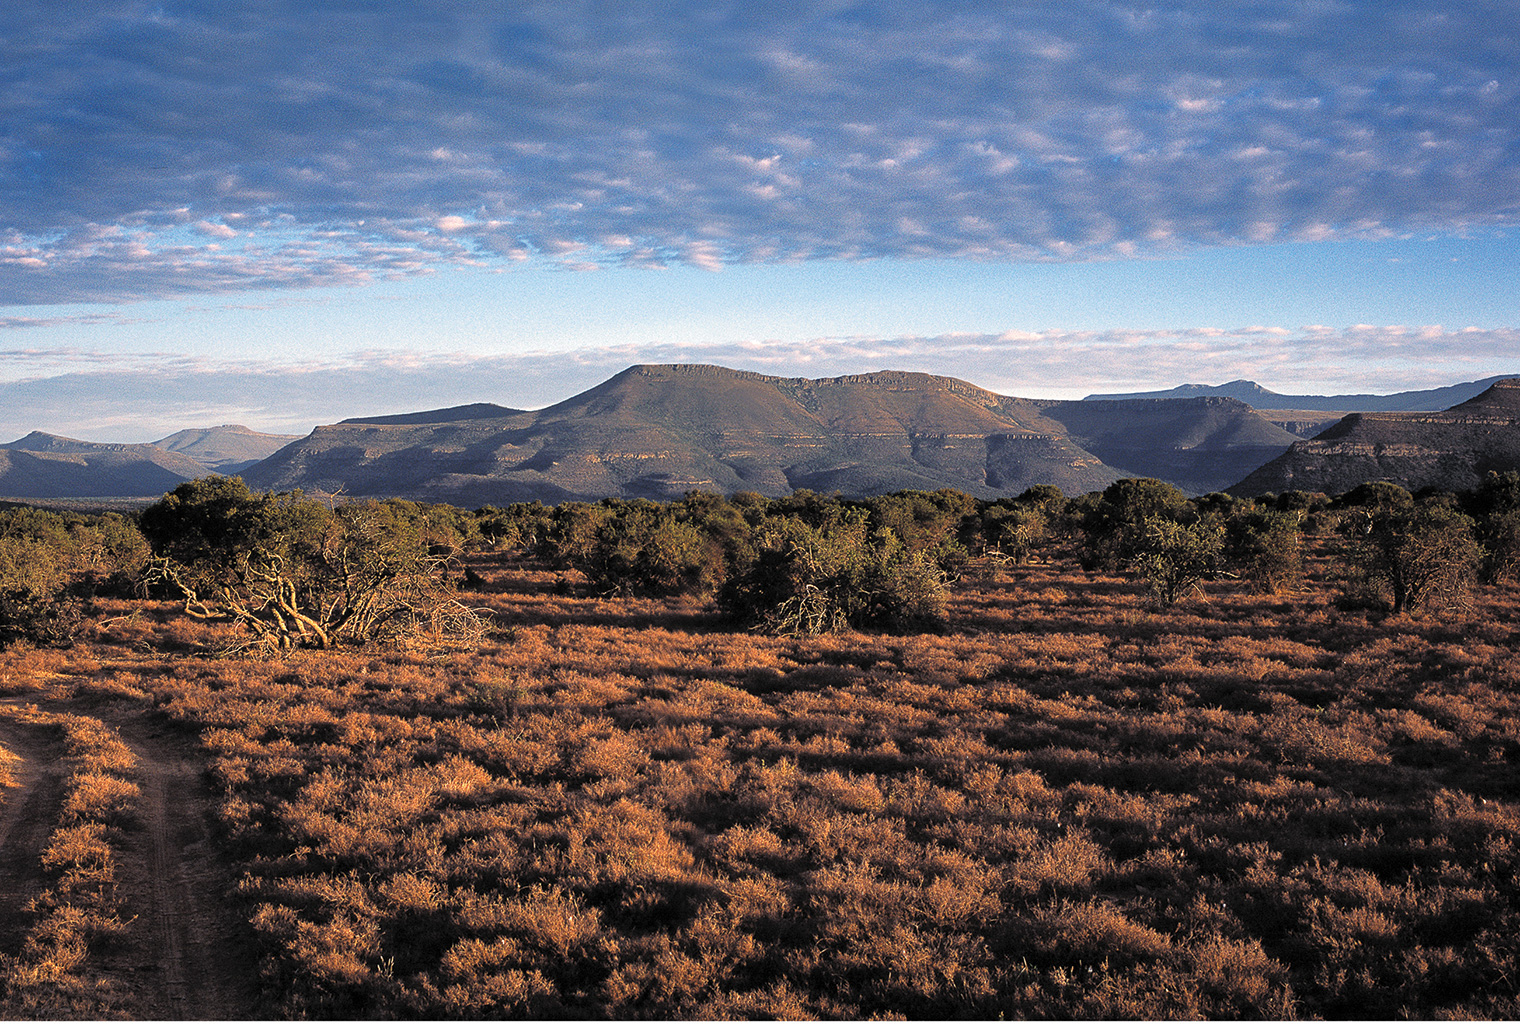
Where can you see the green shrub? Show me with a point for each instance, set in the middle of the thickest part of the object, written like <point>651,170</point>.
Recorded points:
<point>294,572</point>
<point>1173,557</point>
<point>643,548</point>
<point>1114,526</point>
<point>34,603</point>
<point>1424,556</point>
<point>1495,505</point>
<point>1266,547</point>
<point>806,580</point>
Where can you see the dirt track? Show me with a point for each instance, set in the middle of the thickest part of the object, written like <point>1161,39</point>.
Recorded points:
<point>188,954</point>
<point>27,817</point>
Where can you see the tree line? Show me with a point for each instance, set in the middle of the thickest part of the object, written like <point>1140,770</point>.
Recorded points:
<point>295,571</point>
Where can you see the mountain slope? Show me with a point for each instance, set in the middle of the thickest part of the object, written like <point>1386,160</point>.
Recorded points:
<point>1258,397</point>
<point>48,466</point>
<point>1451,450</point>
<point>227,449</point>
<point>1199,444</point>
<point>659,431</point>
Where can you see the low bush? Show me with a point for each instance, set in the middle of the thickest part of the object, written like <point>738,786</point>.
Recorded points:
<point>293,572</point>
<point>805,580</point>
<point>1423,556</point>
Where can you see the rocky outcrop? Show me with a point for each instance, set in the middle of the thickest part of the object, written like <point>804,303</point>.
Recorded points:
<point>1450,450</point>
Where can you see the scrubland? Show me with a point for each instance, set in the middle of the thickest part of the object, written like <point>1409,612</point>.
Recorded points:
<point>1072,800</point>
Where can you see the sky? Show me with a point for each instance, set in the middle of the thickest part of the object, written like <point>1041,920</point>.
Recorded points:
<point>287,212</point>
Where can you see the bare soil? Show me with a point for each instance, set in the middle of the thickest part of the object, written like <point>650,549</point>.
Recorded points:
<point>27,816</point>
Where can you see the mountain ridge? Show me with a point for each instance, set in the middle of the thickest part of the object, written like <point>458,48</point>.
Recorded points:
<point>658,430</point>
<point>1261,399</point>
<point>43,465</point>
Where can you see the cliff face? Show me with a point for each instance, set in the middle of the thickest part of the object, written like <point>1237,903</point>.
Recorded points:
<point>1450,450</point>
<point>659,431</point>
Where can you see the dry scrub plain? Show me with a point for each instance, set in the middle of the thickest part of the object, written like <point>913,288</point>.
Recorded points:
<point>1072,802</point>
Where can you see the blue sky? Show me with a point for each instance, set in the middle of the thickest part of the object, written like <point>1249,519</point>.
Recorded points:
<point>285,213</point>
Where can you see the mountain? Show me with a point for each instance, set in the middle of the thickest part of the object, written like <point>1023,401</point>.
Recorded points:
<point>1450,450</point>
<point>1199,444</point>
<point>659,431</point>
<point>48,466</point>
<point>453,414</point>
<point>228,449</point>
<point>1258,397</point>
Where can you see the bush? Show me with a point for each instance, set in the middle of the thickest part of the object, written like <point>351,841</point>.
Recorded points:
<point>1500,535</point>
<point>640,547</point>
<point>1423,556</point>
<point>924,521</point>
<point>293,572</point>
<point>521,526</point>
<point>804,580</point>
<point>1175,557</point>
<point>34,603</point>
<point>1266,547</point>
<point>1012,531</point>
<point>1495,505</point>
<point>1115,525</point>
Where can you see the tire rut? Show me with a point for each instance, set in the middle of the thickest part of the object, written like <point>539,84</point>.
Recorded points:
<point>192,957</point>
<point>27,819</point>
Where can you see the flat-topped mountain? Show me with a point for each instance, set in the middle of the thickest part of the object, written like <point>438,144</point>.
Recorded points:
<point>659,431</point>
<point>228,449</point>
<point>453,414</point>
<point>1258,397</point>
<point>43,465</point>
<point>1450,450</point>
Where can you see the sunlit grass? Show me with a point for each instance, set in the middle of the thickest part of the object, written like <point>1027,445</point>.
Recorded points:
<point>1072,802</point>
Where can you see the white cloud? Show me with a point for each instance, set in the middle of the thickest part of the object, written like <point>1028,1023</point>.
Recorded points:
<point>348,143</point>
<point>113,397</point>
<point>210,230</point>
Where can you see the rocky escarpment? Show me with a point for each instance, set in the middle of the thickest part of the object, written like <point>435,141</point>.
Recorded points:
<point>1450,450</point>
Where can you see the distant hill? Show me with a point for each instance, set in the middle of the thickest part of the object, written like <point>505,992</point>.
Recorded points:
<point>1258,397</point>
<point>1451,450</point>
<point>659,431</point>
<point>228,449</point>
<point>43,465</point>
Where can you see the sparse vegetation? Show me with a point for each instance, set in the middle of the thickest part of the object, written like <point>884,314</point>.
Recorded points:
<point>1070,799</point>
<point>51,976</point>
